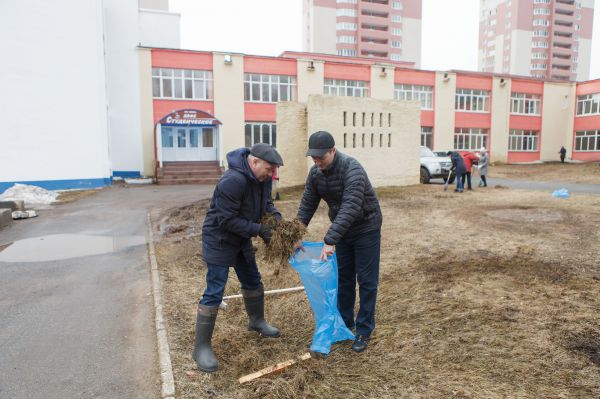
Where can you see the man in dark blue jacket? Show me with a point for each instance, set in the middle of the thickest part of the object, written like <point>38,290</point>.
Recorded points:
<point>240,200</point>
<point>459,169</point>
<point>355,229</point>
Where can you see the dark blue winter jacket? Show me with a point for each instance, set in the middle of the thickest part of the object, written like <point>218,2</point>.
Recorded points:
<point>238,203</point>
<point>458,163</point>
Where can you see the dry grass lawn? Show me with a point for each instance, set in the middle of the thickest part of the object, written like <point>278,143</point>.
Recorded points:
<point>588,173</point>
<point>493,293</point>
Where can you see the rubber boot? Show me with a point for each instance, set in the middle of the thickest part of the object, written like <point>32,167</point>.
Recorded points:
<point>205,324</point>
<point>254,300</point>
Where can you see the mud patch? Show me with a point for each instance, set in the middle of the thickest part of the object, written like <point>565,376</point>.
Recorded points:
<point>585,341</point>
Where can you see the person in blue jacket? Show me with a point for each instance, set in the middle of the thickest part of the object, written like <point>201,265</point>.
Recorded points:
<point>459,168</point>
<point>240,200</point>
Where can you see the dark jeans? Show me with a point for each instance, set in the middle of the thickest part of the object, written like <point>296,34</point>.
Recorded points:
<point>468,176</point>
<point>358,259</point>
<point>562,159</point>
<point>459,181</point>
<point>216,279</point>
<point>483,180</point>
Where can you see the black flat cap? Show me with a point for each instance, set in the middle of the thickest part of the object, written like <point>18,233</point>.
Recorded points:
<point>319,143</point>
<point>267,153</point>
<point>449,153</point>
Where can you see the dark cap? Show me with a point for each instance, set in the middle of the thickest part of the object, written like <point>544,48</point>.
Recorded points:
<point>319,143</point>
<point>267,153</point>
<point>449,153</point>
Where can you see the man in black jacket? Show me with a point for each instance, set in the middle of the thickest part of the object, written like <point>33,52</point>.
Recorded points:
<point>355,229</point>
<point>240,200</point>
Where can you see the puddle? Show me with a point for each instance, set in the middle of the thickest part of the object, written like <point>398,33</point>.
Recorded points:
<point>65,246</point>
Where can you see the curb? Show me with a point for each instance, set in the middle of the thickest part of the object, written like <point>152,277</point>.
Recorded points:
<point>164,356</point>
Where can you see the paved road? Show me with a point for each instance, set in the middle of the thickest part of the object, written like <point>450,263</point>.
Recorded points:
<point>537,185</point>
<point>83,327</point>
<point>547,186</point>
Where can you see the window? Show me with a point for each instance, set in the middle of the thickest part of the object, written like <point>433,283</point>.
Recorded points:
<point>346,52</point>
<point>541,11</point>
<point>396,31</point>
<point>346,1</point>
<point>472,100</point>
<point>541,1</point>
<point>588,104</point>
<point>167,137</point>
<point>541,33</point>
<point>395,57</point>
<point>207,137</point>
<point>415,93</point>
<point>539,44</point>
<point>466,139</point>
<point>345,12</point>
<point>346,39</point>
<point>181,84</point>
<point>345,26</point>
<point>541,22</point>
<point>268,88</point>
<point>350,88</point>
<point>396,44</point>
<point>396,5</point>
<point>588,140</point>
<point>539,56</point>
<point>526,104</point>
<point>523,140</point>
<point>260,133</point>
<point>539,67</point>
<point>397,19</point>
<point>427,136</point>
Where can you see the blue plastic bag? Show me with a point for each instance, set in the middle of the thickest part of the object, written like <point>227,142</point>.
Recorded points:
<point>561,193</point>
<point>320,279</point>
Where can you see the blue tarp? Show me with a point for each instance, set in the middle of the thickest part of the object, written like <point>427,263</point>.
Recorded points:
<point>320,279</point>
<point>561,193</point>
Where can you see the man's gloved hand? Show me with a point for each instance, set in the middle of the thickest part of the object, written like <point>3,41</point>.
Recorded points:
<point>278,219</point>
<point>266,233</point>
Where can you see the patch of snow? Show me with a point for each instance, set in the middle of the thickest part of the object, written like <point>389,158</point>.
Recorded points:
<point>32,195</point>
<point>138,181</point>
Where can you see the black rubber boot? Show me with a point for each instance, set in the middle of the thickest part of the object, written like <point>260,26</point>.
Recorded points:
<point>254,300</point>
<point>205,324</point>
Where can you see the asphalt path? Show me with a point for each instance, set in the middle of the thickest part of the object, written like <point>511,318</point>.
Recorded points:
<point>83,327</point>
<point>549,186</point>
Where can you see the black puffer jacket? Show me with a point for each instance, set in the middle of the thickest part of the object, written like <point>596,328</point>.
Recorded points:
<point>238,203</point>
<point>345,186</point>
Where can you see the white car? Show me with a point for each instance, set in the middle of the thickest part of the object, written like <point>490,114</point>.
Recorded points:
<point>434,167</point>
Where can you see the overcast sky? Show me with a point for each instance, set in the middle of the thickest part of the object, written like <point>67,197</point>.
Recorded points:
<point>269,27</point>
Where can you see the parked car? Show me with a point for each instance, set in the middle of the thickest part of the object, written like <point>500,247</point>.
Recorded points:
<point>433,166</point>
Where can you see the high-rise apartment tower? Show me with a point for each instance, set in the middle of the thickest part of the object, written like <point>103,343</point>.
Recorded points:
<point>364,28</point>
<point>550,39</point>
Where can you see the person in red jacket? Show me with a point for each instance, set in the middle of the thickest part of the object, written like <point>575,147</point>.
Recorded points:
<point>470,159</point>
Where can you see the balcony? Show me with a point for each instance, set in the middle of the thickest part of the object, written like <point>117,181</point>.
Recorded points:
<point>560,68</point>
<point>562,34</point>
<point>377,22</point>
<point>373,13</point>
<point>563,23</point>
<point>374,7</point>
<point>367,53</point>
<point>564,11</point>
<point>561,56</point>
<point>375,33</point>
<point>562,63</point>
<point>568,2</point>
<point>367,39</point>
<point>561,44</point>
<point>374,47</point>
<point>560,77</point>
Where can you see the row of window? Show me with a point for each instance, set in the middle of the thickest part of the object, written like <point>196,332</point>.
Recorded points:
<point>187,137</point>
<point>351,119</point>
<point>172,83</point>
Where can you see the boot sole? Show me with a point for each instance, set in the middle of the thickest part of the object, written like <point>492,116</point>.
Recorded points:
<point>264,335</point>
<point>207,370</point>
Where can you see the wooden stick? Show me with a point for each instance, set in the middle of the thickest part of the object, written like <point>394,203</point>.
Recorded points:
<point>273,369</point>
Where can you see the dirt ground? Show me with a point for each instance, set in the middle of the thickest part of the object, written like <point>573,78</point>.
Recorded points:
<point>492,293</point>
<point>588,173</point>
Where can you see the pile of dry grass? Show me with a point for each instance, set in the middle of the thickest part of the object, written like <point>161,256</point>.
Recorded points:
<point>285,234</point>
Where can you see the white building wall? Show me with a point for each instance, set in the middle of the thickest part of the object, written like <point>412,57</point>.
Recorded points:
<point>53,91</point>
<point>159,29</point>
<point>411,40</point>
<point>322,35</point>
<point>583,65</point>
<point>123,90</point>
<point>520,57</point>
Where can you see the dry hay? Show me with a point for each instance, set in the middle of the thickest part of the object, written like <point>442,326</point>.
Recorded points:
<point>506,318</point>
<point>526,214</point>
<point>285,234</point>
